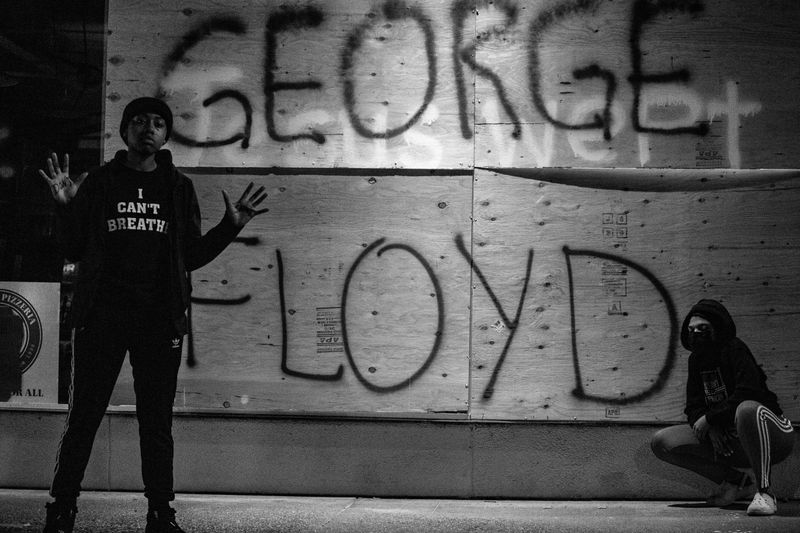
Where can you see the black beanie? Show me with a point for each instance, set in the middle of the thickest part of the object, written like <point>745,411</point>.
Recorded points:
<point>145,104</point>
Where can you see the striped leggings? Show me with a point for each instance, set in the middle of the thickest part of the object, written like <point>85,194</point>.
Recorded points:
<point>764,439</point>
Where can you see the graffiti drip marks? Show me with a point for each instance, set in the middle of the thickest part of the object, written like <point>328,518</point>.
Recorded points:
<point>233,25</point>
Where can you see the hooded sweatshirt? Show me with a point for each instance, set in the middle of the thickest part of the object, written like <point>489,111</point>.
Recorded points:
<point>83,234</point>
<point>723,373</point>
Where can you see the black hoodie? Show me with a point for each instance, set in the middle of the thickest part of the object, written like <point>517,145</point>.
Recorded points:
<point>725,375</point>
<point>82,229</point>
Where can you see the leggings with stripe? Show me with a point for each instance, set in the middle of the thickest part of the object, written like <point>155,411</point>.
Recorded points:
<point>764,439</point>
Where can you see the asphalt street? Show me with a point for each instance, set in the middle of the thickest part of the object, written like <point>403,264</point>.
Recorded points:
<point>23,511</point>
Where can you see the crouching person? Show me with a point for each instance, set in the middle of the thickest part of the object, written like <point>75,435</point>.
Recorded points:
<point>735,421</point>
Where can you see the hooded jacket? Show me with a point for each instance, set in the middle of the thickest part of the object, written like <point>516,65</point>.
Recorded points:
<point>724,375</point>
<point>82,235</point>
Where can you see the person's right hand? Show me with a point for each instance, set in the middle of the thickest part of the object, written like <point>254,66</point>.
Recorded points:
<point>62,187</point>
<point>700,428</point>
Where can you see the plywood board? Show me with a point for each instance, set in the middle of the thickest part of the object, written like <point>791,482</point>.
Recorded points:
<point>369,84</point>
<point>576,296</point>
<point>261,84</point>
<point>612,274</point>
<point>348,296</point>
<point>603,83</point>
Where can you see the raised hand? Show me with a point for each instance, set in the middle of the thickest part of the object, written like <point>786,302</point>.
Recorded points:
<point>62,187</point>
<point>244,210</point>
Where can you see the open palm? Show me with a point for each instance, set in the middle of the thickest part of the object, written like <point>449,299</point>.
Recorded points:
<point>245,208</point>
<point>62,187</point>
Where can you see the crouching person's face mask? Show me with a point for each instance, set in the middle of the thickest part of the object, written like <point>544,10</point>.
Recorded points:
<point>701,334</point>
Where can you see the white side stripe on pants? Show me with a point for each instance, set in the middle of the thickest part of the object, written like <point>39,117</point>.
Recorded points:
<point>764,416</point>
<point>69,400</point>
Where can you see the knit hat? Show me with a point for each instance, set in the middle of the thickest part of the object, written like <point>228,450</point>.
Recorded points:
<point>145,104</point>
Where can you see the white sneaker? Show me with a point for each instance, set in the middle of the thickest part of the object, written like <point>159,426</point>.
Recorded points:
<point>763,504</point>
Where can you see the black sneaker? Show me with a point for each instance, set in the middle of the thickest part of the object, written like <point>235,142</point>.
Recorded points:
<point>162,522</point>
<point>60,518</point>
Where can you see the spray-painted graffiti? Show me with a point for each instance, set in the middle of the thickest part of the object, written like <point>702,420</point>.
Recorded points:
<point>669,359</point>
<point>510,324</point>
<point>440,314</point>
<point>458,295</point>
<point>285,336</point>
<point>191,356</point>
<point>380,247</point>
<point>591,100</point>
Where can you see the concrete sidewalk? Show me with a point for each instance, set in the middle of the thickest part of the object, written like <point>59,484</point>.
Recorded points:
<point>23,511</point>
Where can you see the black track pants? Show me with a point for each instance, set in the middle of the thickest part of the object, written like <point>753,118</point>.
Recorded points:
<point>98,352</point>
<point>764,439</point>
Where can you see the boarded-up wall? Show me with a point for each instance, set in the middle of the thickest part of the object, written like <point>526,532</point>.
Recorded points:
<point>365,83</point>
<point>534,290</point>
<point>368,258</point>
<point>613,274</point>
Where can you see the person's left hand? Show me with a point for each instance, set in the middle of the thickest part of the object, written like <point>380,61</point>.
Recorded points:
<point>244,210</point>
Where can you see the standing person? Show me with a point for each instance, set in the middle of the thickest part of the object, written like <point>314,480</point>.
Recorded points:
<point>134,225</point>
<point>734,419</point>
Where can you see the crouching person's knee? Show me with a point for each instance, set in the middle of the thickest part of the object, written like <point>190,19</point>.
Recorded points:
<point>659,443</point>
<point>666,440</point>
<point>746,412</point>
